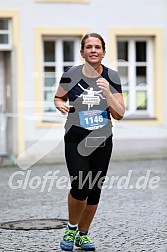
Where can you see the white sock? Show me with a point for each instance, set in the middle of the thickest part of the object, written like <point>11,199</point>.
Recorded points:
<point>72,226</point>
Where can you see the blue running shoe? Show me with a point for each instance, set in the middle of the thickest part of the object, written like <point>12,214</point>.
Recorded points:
<point>84,243</point>
<point>67,242</point>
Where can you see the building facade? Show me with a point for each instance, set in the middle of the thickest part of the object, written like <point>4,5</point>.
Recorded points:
<point>40,38</point>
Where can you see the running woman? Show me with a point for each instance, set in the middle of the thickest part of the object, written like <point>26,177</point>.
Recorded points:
<point>90,95</point>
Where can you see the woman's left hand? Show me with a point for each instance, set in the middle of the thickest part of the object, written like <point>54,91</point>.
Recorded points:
<point>104,85</point>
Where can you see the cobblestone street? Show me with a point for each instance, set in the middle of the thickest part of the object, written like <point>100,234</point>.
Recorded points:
<point>132,215</point>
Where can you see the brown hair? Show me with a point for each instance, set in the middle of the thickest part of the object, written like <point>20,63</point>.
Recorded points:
<point>94,35</point>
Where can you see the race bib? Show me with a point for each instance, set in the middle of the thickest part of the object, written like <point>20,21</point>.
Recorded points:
<point>93,119</point>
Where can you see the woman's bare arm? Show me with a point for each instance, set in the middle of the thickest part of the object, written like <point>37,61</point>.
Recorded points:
<point>114,101</point>
<point>60,100</point>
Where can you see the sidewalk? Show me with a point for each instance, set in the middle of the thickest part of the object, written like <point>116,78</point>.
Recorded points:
<point>129,218</point>
<point>124,150</point>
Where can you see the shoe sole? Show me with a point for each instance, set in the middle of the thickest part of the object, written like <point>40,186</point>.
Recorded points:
<point>65,248</point>
<point>83,249</point>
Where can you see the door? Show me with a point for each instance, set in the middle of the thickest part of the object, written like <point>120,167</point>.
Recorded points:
<point>3,118</point>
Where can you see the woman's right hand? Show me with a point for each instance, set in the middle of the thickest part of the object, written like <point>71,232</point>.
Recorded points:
<point>60,101</point>
<point>62,106</point>
<point>65,108</point>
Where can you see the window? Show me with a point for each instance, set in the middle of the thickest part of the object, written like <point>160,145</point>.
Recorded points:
<point>5,34</point>
<point>58,54</point>
<point>135,67</point>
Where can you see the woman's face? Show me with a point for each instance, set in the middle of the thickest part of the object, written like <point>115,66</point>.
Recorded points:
<point>93,51</point>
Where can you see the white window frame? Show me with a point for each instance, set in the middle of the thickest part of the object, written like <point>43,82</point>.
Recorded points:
<point>9,33</point>
<point>55,116</point>
<point>132,112</point>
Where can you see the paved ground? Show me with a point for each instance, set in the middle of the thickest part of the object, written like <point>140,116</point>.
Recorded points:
<point>132,216</point>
